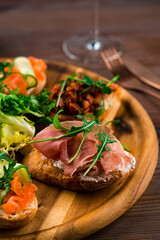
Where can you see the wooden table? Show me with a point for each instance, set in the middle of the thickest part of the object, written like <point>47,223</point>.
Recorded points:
<point>39,27</point>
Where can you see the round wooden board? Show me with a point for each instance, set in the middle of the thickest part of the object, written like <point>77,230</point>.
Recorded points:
<point>70,215</point>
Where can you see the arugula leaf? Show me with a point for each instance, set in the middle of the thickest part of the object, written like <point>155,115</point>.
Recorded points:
<point>61,90</point>
<point>116,78</point>
<point>105,139</point>
<point>125,147</point>
<point>113,121</point>
<point>56,122</point>
<point>89,82</point>
<point>74,131</point>
<point>85,90</point>
<point>84,136</point>
<point>86,80</point>
<point>98,112</point>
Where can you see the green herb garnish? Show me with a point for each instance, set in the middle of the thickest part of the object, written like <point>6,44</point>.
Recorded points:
<point>8,167</point>
<point>20,104</point>
<point>98,112</point>
<point>90,82</point>
<point>116,78</point>
<point>105,139</point>
<point>61,90</point>
<point>5,156</point>
<point>125,147</point>
<point>56,122</point>
<point>113,121</point>
<point>4,73</point>
<point>7,177</point>
<point>87,126</point>
<point>80,145</point>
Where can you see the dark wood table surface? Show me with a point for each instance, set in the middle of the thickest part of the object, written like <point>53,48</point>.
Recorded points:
<point>39,27</point>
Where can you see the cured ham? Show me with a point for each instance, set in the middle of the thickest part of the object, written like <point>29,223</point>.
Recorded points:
<point>65,148</point>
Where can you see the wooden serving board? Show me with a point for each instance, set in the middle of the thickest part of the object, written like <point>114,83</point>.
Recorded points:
<point>70,215</point>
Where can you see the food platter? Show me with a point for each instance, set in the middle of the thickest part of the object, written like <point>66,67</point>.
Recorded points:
<point>65,214</point>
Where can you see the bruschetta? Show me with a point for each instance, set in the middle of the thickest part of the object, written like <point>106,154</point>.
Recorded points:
<point>27,74</point>
<point>80,94</point>
<point>18,202</point>
<point>89,160</point>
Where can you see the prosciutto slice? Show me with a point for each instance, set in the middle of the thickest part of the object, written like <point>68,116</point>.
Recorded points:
<point>65,148</point>
<point>116,159</point>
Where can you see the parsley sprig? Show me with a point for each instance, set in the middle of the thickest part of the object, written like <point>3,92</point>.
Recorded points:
<point>16,104</point>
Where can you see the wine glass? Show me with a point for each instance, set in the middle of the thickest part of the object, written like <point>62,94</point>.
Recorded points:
<point>86,47</point>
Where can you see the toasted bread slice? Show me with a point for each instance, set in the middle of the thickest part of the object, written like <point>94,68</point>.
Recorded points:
<point>19,218</point>
<point>51,172</point>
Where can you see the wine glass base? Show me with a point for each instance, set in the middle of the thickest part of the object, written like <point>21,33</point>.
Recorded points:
<point>84,49</point>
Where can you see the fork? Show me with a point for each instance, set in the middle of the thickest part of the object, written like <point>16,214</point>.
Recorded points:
<point>116,66</point>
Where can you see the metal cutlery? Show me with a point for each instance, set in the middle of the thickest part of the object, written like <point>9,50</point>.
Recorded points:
<point>116,66</point>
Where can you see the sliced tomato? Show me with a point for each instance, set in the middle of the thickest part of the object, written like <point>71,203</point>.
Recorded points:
<point>38,66</point>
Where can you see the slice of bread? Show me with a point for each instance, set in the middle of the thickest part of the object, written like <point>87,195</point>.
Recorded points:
<point>51,172</point>
<point>19,218</point>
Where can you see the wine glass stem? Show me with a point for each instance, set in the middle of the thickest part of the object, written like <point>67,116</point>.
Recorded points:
<point>95,30</point>
<point>93,43</point>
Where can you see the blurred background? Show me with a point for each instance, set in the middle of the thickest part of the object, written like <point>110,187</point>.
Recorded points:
<point>38,28</point>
